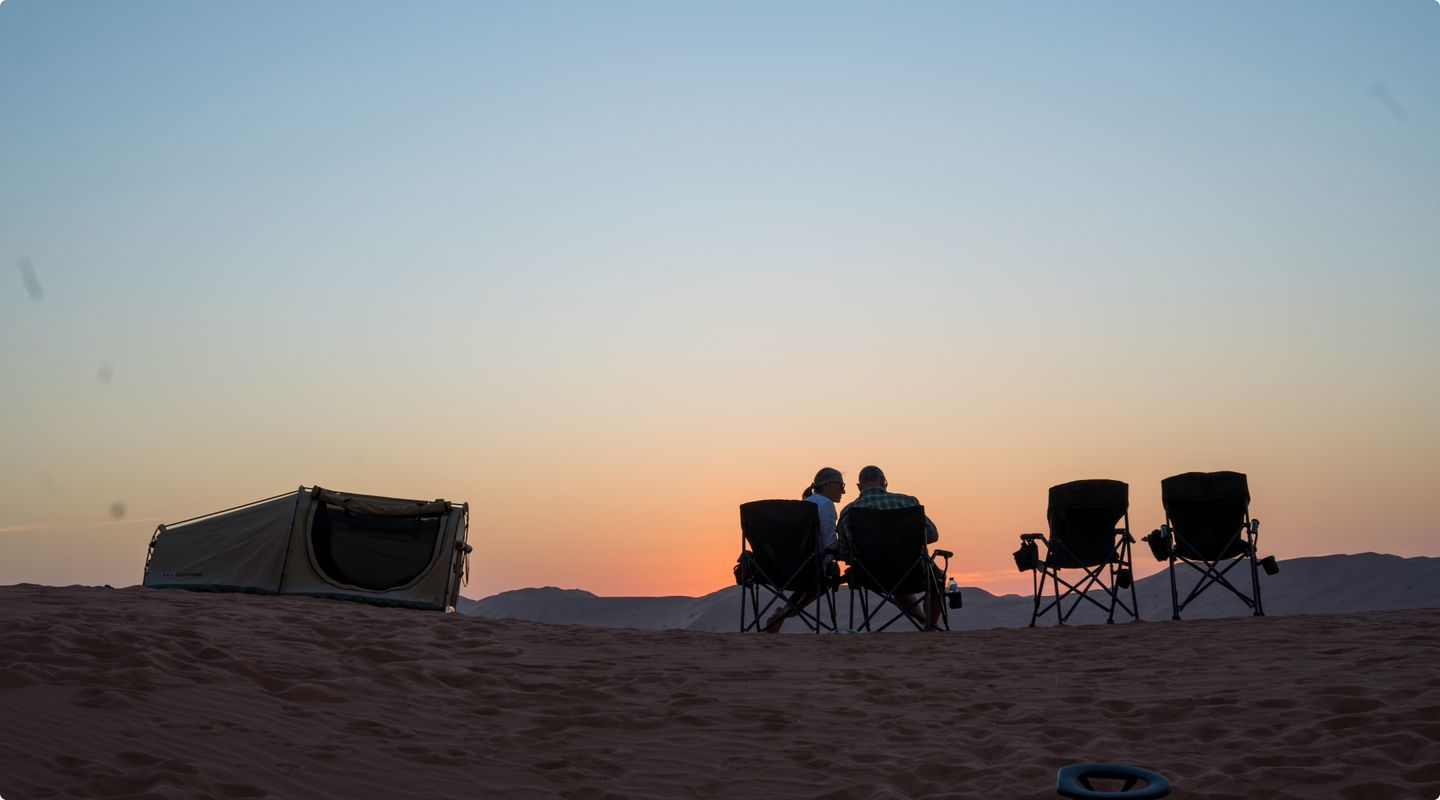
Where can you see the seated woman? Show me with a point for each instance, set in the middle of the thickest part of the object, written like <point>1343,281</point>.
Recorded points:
<point>825,491</point>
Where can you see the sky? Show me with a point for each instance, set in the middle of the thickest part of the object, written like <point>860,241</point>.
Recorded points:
<point>608,270</point>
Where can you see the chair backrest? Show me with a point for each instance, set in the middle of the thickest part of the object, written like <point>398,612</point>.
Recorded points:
<point>887,544</point>
<point>784,537</point>
<point>1083,516</point>
<point>1206,511</point>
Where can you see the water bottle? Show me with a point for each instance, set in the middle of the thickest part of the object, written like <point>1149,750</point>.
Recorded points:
<point>952,594</point>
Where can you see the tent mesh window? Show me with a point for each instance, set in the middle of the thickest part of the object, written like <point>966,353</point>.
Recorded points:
<point>372,552</point>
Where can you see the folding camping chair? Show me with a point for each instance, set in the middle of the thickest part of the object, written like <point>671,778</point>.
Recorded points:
<point>889,556</point>
<point>1083,536</point>
<point>1207,523</point>
<point>780,553</point>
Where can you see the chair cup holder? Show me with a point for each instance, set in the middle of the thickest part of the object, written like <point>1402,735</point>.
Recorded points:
<point>1027,557</point>
<point>1159,546</point>
<point>1270,565</point>
<point>1123,578</point>
<point>953,599</point>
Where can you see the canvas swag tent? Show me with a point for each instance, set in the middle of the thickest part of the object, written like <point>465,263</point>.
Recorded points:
<point>320,543</point>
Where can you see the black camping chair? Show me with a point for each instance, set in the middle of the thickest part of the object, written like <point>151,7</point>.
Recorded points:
<point>1207,524</point>
<point>1083,535</point>
<point>780,553</point>
<point>889,556</point>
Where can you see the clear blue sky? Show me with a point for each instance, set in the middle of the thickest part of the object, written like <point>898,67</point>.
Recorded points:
<point>555,239</point>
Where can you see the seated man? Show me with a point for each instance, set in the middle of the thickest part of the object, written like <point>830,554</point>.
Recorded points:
<point>873,494</point>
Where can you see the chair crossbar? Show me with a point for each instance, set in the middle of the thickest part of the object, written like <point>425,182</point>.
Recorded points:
<point>888,596</point>
<point>1082,588</point>
<point>1210,572</point>
<point>933,587</point>
<point>812,621</point>
<point>1209,576</point>
<point>1082,592</point>
<point>868,615</point>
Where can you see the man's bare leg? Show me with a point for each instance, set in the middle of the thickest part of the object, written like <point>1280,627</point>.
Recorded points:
<point>914,607</point>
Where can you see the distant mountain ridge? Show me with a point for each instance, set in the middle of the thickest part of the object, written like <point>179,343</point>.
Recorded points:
<point>1316,584</point>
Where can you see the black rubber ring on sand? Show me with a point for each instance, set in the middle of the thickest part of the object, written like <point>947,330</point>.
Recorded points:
<point>1074,782</point>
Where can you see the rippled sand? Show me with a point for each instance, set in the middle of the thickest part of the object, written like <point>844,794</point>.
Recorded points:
<point>152,694</point>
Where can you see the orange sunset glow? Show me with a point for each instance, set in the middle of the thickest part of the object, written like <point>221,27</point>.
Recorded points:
<point>609,279</point>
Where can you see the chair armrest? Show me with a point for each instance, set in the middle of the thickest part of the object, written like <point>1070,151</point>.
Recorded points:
<point>942,553</point>
<point>1030,537</point>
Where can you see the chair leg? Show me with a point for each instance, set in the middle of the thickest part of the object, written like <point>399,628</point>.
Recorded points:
<point>1134,601</point>
<point>1255,582</point>
<point>1174,593</point>
<point>1059,617</point>
<point>820,596</point>
<point>1038,579</point>
<point>1110,619</point>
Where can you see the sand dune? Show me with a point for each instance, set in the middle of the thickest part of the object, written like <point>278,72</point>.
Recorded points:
<point>1321,584</point>
<point>140,693</point>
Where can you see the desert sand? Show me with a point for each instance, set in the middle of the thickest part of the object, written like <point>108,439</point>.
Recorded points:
<point>136,693</point>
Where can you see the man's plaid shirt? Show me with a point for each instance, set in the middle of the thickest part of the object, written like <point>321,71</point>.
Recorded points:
<point>877,497</point>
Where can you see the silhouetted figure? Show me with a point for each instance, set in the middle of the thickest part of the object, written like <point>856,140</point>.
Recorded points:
<point>825,491</point>
<point>874,493</point>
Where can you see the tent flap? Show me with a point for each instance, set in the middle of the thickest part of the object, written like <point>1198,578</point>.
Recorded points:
<point>380,506</point>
